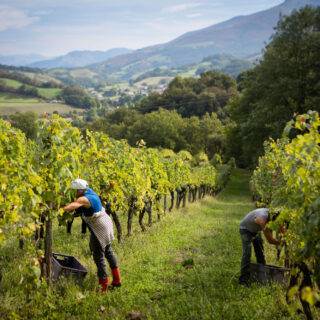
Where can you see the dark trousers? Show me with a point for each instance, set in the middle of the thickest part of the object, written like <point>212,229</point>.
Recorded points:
<point>99,256</point>
<point>83,226</point>
<point>247,238</point>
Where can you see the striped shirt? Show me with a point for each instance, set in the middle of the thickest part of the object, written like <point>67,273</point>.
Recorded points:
<point>101,225</point>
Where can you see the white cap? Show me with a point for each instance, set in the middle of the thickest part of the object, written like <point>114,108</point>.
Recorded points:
<point>79,184</point>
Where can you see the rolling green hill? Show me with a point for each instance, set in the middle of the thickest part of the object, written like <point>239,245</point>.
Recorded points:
<point>11,83</point>
<point>221,62</point>
<point>12,103</point>
<point>46,93</point>
<point>25,89</point>
<point>134,73</point>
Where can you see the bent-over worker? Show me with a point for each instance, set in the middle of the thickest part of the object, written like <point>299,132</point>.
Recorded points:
<point>250,230</point>
<point>101,229</point>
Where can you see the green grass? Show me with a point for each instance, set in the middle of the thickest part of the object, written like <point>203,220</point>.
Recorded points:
<point>154,279</point>
<point>153,81</point>
<point>49,93</point>
<point>12,83</point>
<point>8,98</point>
<point>11,103</point>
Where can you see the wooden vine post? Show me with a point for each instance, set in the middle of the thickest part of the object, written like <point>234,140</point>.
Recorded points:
<point>48,249</point>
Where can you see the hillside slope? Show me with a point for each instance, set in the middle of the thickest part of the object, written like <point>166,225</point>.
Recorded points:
<point>76,59</point>
<point>240,36</point>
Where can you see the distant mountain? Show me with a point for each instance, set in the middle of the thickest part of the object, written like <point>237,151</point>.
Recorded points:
<point>77,59</point>
<point>241,37</point>
<point>18,60</point>
<point>220,62</point>
<point>86,77</point>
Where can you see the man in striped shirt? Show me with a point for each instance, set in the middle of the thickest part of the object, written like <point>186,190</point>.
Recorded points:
<point>101,229</point>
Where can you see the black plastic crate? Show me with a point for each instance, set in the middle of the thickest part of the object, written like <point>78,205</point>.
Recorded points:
<point>64,265</point>
<point>268,273</point>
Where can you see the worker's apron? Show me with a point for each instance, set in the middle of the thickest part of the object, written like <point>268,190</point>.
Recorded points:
<point>101,225</point>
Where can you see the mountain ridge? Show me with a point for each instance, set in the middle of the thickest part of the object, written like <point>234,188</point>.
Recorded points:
<point>79,58</point>
<point>18,60</point>
<point>241,36</point>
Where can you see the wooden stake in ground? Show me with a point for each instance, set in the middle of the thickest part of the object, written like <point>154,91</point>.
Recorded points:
<point>48,249</point>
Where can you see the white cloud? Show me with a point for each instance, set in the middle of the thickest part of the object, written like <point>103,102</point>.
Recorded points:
<point>194,15</point>
<point>12,18</point>
<point>181,7</point>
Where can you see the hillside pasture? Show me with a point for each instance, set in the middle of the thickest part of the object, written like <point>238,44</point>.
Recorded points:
<point>154,81</point>
<point>49,93</point>
<point>10,103</point>
<point>46,93</point>
<point>11,83</point>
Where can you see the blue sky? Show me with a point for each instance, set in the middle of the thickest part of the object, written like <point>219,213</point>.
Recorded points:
<point>56,27</point>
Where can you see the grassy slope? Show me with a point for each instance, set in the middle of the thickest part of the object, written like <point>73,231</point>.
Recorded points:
<point>154,280</point>
<point>11,83</point>
<point>47,93</point>
<point>11,103</point>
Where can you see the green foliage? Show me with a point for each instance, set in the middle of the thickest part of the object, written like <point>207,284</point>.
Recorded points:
<point>158,129</point>
<point>26,122</point>
<point>77,97</point>
<point>28,91</point>
<point>193,97</point>
<point>41,172</point>
<point>19,181</point>
<point>165,129</point>
<point>58,156</point>
<point>288,180</point>
<point>285,82</point>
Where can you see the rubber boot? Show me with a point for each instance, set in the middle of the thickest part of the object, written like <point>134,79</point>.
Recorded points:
<point>116,279</point>
<point>104,284</point>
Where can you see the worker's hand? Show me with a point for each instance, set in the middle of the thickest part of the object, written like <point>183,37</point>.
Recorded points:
<point>282,242</point>
<point>269,236</point>
<point>283,229</point>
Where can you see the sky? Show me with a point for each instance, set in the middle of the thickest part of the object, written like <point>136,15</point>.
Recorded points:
<point>54,28</point>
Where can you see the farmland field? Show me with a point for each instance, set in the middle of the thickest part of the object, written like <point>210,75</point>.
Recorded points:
<point>10,103</point>
<point>153,81</point>
<point>49,93</point>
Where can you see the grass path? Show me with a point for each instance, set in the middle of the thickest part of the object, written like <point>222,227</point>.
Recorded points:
<point>156,283</point>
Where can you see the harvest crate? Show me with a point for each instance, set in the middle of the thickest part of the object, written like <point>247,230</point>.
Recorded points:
<point>268,273</point>
<point>64,265</point>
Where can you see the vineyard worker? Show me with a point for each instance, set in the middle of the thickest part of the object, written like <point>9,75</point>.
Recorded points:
<point>101,229</point>
<point>250,230</point>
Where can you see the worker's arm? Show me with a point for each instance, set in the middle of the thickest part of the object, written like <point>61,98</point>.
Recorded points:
<point>80,202</point>
<point>268,234</point>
